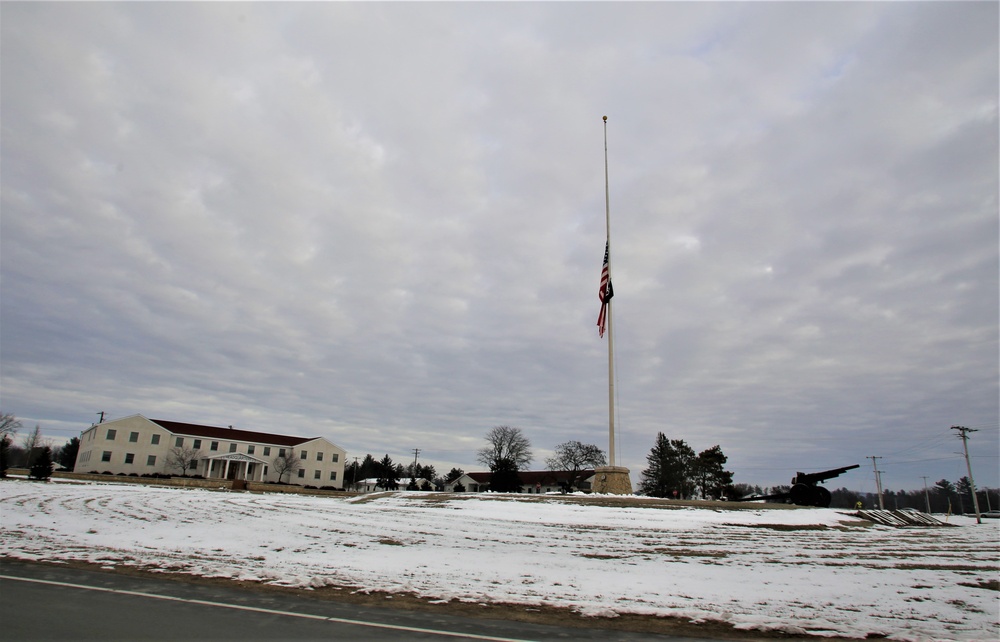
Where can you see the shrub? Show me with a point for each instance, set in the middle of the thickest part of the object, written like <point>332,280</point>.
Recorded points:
<point>41,468</point>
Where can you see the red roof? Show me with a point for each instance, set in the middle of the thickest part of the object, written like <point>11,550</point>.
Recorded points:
<point>532,477</point>
<point>229,434</point>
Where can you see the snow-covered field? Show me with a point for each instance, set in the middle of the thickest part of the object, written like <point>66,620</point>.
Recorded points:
<point>814,571</point>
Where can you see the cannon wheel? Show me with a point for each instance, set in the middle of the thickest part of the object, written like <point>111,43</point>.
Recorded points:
<point>802,494</point>
<point>806,495</point>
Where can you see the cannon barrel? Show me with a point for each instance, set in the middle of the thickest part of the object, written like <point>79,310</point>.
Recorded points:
<point>811,479</point>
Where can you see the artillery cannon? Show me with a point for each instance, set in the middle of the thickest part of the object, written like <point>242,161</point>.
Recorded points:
<point>806,490</point>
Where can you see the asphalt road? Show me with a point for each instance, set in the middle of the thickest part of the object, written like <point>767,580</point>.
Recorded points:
<point>46,602</point>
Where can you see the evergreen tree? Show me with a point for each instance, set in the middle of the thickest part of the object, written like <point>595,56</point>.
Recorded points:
<point>67,454</point>
<point>5,444</point>
<point>420,471</point>
<point>744,490</point>
<point>942,495</point>
<point>41,465</point>
<point>454,474</point>
<point>369,468</point>
<point>671,467</point>
<point>352,474</point>
<point>505,478</point>
<point>964,491</point>
<point>388,477</point>
<point>709,472</point>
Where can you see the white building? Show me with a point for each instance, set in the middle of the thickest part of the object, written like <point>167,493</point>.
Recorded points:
<point>139,445</point>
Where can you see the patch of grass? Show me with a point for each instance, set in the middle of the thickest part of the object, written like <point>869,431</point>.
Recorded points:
<point>938,567</point>
<point>689,552</point>
<point>990,585</point>
<point>388,541</point>
<point>783,527</point>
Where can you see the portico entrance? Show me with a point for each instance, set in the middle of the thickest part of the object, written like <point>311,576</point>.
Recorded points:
<point>232,466</point>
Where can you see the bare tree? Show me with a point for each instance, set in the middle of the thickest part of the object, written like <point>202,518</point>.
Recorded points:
<point>573,457</point>
<point>507,445</point>
<point>286,465</point>
<point>181,457</point>
<point>32,441</point>
<point>9,425</point>
<point>507,453</point>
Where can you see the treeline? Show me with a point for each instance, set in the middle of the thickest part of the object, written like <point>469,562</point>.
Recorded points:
<point>34,452</point>
<point>943,497</point>
<point>396,476</point>
<point>675,471</point>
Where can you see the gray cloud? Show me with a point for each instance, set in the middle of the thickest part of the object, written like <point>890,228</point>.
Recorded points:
<point>383,223</point>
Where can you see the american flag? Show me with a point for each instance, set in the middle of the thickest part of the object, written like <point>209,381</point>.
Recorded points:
<point>605,292</point>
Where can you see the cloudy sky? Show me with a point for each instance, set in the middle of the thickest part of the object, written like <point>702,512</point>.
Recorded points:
<point>384,224</point>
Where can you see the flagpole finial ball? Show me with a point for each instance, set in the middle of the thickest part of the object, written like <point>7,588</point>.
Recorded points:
<point>605,119</point>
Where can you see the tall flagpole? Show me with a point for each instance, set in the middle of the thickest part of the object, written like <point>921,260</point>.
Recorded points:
<point>611,479</point>
<point>611,335</point>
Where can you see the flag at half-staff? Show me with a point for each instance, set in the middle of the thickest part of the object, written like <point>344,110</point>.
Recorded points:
<point>605,292</point>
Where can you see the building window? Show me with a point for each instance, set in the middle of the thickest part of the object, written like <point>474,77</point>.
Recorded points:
<point>265,471</point>
<point>155,440</point>
<point>319,456</point>
<point>133,437</point>
<point>304,456</point>
<point>214,446</point>
<point>267,451</point>
<point>129,458</point>
<point>335,457</point>
<point>232,448</point>
<point>111,434</point>
<point>250,450</point>
<point>193,465</point>
<point>302,473</point>
<point>316,474</point>
<point>197,444</point>
<point>106,455</point>
<point>281,453</point>
<point>151,460</point>
<point>180,442</point>
<point>333,475</point>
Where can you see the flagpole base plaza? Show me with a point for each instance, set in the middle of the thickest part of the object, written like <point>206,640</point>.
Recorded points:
<point>612,480</point>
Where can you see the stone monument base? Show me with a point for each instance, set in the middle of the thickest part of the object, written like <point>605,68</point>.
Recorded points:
<point>612,480</point>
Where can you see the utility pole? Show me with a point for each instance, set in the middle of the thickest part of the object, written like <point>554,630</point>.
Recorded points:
<point>102,417</point>
<point>878,480</point>
<point>964,432</point>
<point>354,475</point>
<point>416,451</point>
<point>927,497</point>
